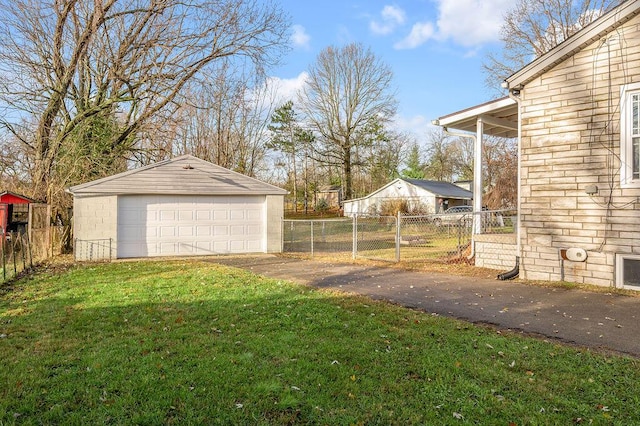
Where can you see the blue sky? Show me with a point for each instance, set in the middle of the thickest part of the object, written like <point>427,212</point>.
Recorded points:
<point>434,47</point>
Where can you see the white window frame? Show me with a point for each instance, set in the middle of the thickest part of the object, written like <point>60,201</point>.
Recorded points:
<point>620,258</point>
<point>626,136</point>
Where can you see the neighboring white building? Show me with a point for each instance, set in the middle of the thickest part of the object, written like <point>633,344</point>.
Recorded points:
<point>427,196</point>
<point>178,207</point>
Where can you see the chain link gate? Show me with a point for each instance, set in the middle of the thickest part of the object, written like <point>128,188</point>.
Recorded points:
<point>318,236</point>
<point>424,239</point>
<point>376,238</point>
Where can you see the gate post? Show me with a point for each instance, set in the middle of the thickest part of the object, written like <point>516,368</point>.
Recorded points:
<point>398,221</point>
<point>312,236</point>
<point>354,249</point>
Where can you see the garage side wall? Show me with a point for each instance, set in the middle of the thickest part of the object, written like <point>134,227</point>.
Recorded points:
<point>95,227</point>
<point>275,216</point>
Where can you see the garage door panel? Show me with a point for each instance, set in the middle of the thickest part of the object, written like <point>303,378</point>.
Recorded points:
<point>220,215</point>
<point>236,245</point>
<point>181,225</point>
<point>167,231</point>
<point>204,246</point>
<point>186,231</point>
<point>221,230</point>
<point>185,215</point>
<point>169,247</point>
<point>237,230</point>
<point>237,214</point>
<point>203,215</point>
<point>254,215</point>
<point>203,231</point>
<point>254,229</point>
<point>221,246</point>
<point>166,215</point>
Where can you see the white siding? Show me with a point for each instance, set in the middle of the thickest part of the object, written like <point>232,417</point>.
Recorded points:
<point>417,198</point>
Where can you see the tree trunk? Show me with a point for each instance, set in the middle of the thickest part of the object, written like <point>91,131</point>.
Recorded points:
<point>346,169</point>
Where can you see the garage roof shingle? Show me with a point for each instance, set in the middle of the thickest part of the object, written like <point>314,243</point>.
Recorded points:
<point>181,175</point>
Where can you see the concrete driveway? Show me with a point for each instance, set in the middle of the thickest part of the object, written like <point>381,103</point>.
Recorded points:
<point>601,321</point>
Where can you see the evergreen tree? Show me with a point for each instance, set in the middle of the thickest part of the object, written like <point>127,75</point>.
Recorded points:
<point>415,167</point>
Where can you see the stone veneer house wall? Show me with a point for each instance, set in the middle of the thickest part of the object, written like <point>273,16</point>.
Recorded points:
<point>575,119</point>
<point>579,185</point>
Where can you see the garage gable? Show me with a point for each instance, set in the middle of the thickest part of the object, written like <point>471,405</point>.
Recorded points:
<point>181,175</point>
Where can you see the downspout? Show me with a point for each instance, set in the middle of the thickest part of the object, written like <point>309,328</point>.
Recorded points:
<point>477,186</point>
<point>514,94</point>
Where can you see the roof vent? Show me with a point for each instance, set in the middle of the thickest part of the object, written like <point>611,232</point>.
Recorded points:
<point>187,167</point>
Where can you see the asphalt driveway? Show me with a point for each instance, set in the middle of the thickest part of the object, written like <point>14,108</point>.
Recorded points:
<point>596,320</point>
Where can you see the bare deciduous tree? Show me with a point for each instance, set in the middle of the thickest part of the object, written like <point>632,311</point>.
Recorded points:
<point>223,118</point>
<point>500,173</point>
<point>533,27</point>
<point>64,62</point>
<point>377,158</point>
<point>347,88</point>
<point>440,158</point>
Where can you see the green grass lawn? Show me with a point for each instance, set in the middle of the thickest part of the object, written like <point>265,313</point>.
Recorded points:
<point>190,342</point>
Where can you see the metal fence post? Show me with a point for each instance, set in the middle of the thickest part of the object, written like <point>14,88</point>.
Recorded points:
<point>4,259</point>
<point>398,221</point>
<point>312,238</point>
<point>23,237</point>
<point>13,249</point>
<point>354,248</point>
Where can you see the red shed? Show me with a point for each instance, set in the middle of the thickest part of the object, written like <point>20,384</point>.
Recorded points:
<point>14,211</point>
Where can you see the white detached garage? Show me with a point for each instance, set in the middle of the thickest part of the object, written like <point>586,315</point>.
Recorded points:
<point>179,207</point>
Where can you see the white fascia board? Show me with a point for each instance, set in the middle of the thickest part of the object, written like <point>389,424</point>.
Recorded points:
<point>473,112</point>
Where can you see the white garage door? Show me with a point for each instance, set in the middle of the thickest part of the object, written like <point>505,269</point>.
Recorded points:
<point>168,225</point>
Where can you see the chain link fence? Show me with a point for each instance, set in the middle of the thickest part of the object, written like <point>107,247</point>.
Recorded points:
<point>318,236</point>
<point>424,238</point>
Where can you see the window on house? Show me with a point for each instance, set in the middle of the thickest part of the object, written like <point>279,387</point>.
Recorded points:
<point>630,135</point>
<point>628,271</point>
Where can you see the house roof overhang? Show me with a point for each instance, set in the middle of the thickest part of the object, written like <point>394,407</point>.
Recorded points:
<point>178,176</point>
<point>596,30</point>
<point>499,118</point>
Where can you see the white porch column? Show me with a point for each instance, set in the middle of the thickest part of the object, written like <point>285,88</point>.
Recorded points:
<point>477,177</point>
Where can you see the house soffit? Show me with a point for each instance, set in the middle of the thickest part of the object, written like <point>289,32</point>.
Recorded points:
<point>499,118</point>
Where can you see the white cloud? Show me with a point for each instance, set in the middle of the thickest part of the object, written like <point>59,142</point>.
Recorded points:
<point>420,33</point>
<point>299,37</point>
<point>471,22</point>
<point>286,89</point>
<point>392,16</point>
